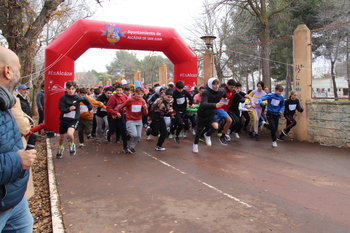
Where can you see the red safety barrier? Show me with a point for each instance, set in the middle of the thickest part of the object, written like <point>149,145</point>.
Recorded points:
<point>61,54</point>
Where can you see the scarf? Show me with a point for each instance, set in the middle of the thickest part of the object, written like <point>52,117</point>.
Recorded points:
<point>7,100</point>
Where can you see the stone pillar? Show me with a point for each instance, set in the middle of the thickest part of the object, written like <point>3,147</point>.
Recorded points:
<point>302,77</point>
<point>137,76</point>
<point>208,66</point>
<point>163,74</point>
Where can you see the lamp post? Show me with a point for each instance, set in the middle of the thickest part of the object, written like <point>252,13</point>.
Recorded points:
<point>208,58</point>
<point>100,77</point>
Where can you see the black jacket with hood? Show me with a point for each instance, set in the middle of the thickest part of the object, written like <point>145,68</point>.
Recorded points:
<point>210,98</point>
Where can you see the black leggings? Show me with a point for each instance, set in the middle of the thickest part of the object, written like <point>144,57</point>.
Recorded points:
<point>117,124</point>
<point>273,124</point>
<point>159,127</point>
<point>177,123</point>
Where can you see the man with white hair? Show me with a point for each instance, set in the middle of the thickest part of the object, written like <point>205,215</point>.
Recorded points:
<point>14,160</point>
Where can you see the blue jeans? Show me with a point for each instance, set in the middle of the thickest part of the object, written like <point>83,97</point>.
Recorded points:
<point>17,220</point>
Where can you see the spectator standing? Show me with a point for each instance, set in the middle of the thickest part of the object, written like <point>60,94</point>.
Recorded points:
<point>14,160</point>
<point>40,104</point>
<point>23,92</point>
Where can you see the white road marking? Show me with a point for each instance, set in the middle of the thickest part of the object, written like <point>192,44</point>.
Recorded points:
<point>202,182</point>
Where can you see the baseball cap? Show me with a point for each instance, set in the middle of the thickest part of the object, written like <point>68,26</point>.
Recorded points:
<point>23,87</point>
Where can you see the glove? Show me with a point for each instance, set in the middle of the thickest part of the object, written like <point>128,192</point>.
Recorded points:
<point>262,104</point>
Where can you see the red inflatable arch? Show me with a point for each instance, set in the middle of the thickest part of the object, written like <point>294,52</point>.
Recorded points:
<point>84,34</point>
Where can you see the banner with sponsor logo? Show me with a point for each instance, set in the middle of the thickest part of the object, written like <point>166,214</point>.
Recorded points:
<point>61,54</point>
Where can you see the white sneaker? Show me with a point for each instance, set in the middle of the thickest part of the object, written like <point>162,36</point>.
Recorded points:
<point>262,125</point>
<point>148,137</point>
<point>274,144</point>
<point>193,131</point>
<point>228,137</point>
<point>184,134</point>
<point>195,148</point>
<point>236,135</point>
<point>207,139</point>
<point>81,145</point>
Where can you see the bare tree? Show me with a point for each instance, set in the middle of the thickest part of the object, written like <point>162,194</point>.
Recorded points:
<point>334,39</point>
<point>263,11</point>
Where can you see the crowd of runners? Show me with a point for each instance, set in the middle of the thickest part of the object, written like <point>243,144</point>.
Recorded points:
<point>119,113</point>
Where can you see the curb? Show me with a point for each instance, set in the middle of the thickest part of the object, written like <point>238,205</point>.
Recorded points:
<point>56,215</point>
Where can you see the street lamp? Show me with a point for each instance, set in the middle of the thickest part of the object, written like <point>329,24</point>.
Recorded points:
<point>208,58</point>
<point>208,40</point>
<point>100,77</point>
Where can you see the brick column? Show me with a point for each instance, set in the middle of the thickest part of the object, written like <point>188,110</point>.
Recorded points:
<point>302,77</point>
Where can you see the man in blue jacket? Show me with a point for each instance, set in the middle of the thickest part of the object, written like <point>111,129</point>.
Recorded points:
<point>14,160</point>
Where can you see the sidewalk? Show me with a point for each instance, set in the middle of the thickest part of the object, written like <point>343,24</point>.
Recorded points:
<point>247,186</point>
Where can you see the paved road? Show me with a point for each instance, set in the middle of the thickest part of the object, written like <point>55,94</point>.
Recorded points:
<point>247,186</point>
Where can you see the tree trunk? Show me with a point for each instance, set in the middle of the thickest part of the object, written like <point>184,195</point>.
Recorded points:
<point>348,66</point>
<point>333,80</point>
<point>265,54</point>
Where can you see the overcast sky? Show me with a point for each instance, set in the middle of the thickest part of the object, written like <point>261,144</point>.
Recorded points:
<point>168,13</point>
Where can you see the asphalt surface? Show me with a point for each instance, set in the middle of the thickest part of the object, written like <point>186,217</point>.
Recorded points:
<point>247,186</point>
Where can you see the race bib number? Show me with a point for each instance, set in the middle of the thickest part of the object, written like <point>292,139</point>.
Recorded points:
<point>292,107</point>
<point>136,108</point>
<point>275,102</point>
<point>225,101</point>
<point>180,101</point>
<point>83,108</point>
<point>69,115</point>
<point>116,107</point>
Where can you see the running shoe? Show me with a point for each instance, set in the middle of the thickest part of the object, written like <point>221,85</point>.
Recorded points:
<point>81,145</point>
<point>108,138</point>
<point>60,153</point>
<point>202,139</point>
<point>251,134</point>
<point>236,135</point>
<point>256,136</point>
<point>132,150</point>
<point>148,137</point>
<point>160,148</point>
<point>177,139</point>
<point>262,125</point>
<point>126,151</point>
<point>222,140</point>
<point>195,148</point>
<point>171,135</point>
<point>227,137</point>
<point>280,139</point>
<point>184,134</point>
<point>284,132</point>
<point>72,149</point>
<point>194,131</point>
<point>207,139</point>
<point>274,144</point>
<point>89,136</point>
